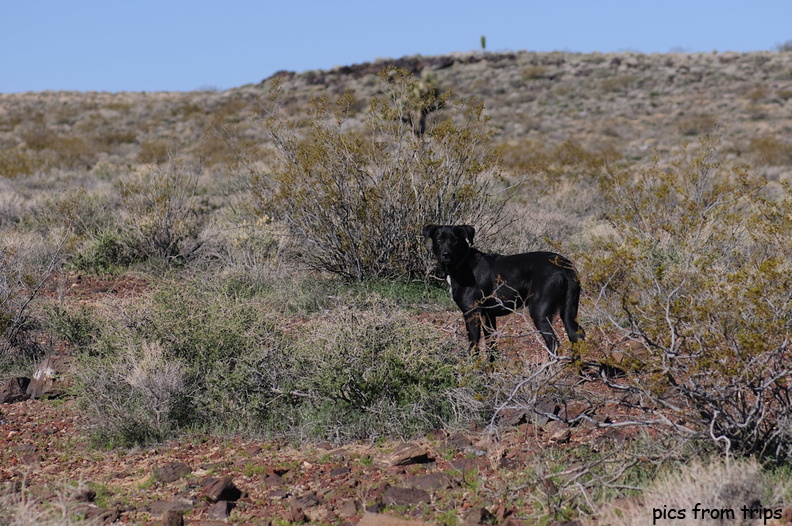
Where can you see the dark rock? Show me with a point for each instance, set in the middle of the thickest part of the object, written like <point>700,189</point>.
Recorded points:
<point>431,481</point>
<point>87,495</point>
<point>375,508</point>
<point>405,454</point>
<point>478,516</point>
<point>14,390</point>
<point>305,501</point>
<point>340,471</point>
<point>52,377</point>
<point>459,441</point>
<point>215,490</point>
<point>573,409</point>
<point>273,480</point>
<point>512,416</point>
<point>173,518</point>
<point>544,407</point>
<point>396,496</point>
<point>172,471</point>
<point>220,510</point>
<point>161,507</point>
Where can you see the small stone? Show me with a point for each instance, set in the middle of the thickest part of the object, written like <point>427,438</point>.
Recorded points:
<point>171,471</point>
<point>396,496</point>
<point>431,481</point>
<point>173,518</point>
<point>215,490</point>
<point>14,390</point>
<point>340,471</point>
<point>405,454</point>
<point>220,510</point>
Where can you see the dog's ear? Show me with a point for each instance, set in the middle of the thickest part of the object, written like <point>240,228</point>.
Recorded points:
<point>428,231</point>
<point>469,233</point>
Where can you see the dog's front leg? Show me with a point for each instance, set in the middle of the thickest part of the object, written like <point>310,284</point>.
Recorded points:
<point>473,324</point>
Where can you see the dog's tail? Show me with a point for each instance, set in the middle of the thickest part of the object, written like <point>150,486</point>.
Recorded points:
<point>570,314</point>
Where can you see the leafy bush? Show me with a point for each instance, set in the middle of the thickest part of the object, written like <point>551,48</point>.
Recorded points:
<point>364,374</point>
<point>25,264</point>
<point>77,325</point>
<point>769,150</point>
<point>694,285</point>
<point>161,210</point>
<point>225,350</point>
<point>360,198</point>
<point>344,376</point>
<point>15,162</point>
<point>136,397</point>
<point>106,252</point>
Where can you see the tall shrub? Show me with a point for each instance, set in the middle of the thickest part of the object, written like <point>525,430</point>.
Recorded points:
<point>694,283</point>
<point>359,195</point>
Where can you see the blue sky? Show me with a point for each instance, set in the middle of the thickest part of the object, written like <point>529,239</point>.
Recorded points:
<point>175,45</point>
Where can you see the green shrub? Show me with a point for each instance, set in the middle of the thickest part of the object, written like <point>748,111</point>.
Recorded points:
<point>15,162</point>
<point>84,212</point>
<point>225,350</point>
<point>349,373</point>
<point>770,150</point>
<point>693,284</point>
<point>359,198</point>
<point>365,374</point>
<point>79,325</point>
<point>26,262</point>
<point>161,210</point>
<point>138,396</point>
<point>104,253</point>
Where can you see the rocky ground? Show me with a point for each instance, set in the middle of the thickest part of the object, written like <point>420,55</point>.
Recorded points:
<point>475,476</point>
<point>469,476</point>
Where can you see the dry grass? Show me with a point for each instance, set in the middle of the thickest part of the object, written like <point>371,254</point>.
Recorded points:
<point>729,490</point>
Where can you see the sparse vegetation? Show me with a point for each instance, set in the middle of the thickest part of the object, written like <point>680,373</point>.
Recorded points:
<point>696,276</point>
<point>242,278</point>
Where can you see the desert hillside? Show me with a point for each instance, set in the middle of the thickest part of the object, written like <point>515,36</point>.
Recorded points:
<point>218,307</point>
<point>629,102</point>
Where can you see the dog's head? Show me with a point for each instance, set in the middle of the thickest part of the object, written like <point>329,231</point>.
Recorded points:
<point>450,243</point>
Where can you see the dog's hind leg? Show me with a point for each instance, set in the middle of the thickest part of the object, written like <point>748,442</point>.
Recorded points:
<point>569,310</point>
<point>542,316</point>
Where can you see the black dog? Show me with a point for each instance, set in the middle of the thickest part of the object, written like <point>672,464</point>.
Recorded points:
<point>486,286</point>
